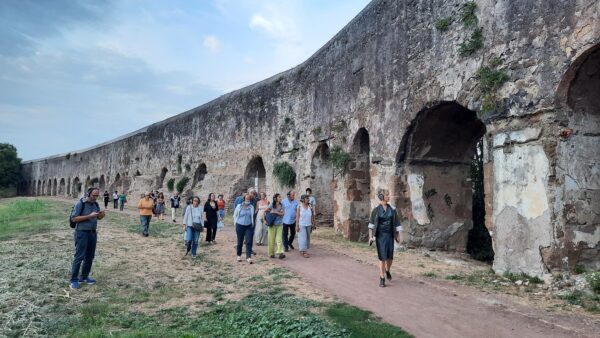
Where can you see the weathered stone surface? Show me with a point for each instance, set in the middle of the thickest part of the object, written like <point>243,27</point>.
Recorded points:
<point>391,89</point>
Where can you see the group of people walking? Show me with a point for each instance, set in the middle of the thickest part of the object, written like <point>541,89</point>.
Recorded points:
<point>277,221</point>
<point>256,219</point>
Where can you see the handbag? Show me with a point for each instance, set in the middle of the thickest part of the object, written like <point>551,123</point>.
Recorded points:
<point>270,219</point>
<point>198,226</point>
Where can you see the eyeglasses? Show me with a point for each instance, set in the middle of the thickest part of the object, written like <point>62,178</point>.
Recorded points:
<point>95,195</point>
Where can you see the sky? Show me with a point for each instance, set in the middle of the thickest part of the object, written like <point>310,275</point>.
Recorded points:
<point>77,73</point>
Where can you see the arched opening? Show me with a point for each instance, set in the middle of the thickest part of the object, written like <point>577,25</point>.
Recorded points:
<point>102,184</point>
<point>68,191</point>
<point>61,187</point>
<point>39,189</point>
<point>579,164</point>
<point>321,184</point>
<point>94,182</point>
<point>33,188</point>
<point>76,187</point>
<point>161,178</point>
<point>358,188</point>
<point>255,171</point>
<point>199,174</point>
<point>49,188</point>
<point>54,187</point>
<point>440,166</point>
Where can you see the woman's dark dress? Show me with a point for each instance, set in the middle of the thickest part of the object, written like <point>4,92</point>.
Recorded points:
<point>385,234</point>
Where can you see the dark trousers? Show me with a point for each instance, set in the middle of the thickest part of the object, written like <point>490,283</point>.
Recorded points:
<point>288,240</point>
<point>85,250</point>
<point>121,206</point>
<point>211,230</point>
<point>115,203</point>
<point>244,232</point>
<point>105,204</point>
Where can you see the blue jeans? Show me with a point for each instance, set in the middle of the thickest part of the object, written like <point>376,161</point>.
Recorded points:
<point>192,238</point>
<point>85,250</point>
<point>145,223</point>
<point>244,232</point>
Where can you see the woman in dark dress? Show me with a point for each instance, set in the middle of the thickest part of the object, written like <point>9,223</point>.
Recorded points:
<point>211,216</point>
<point>384,228</point>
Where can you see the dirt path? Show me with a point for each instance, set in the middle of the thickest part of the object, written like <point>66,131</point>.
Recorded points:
<point>425,308</point>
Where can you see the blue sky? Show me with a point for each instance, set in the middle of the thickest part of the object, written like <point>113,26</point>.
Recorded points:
<point>76,73</point>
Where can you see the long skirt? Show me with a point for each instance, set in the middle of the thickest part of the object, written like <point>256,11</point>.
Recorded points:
<point>260,233</point>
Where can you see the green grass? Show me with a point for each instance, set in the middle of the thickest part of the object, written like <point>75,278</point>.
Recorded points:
<point>359,323</point>
<point>430,274</point>
<point>588,301</point>
<point>23,216</point>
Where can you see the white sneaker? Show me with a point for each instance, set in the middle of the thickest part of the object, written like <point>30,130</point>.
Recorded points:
<point>239,258</point>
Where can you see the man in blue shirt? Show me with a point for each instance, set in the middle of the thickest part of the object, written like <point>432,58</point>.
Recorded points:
<point>290,206</point>
<point>86,214</point>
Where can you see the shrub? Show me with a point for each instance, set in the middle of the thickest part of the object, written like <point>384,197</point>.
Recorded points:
<point>317,131</point>
<point>182,183</point>
<point>339,158</point>
<point>579,269</point>
<point>443,24</point>
<point>593,278</point>
<point>467,14</point>
<point>490,80</point>
<point>475,42</point>
<point>171,184</point>
<point>285,174</point>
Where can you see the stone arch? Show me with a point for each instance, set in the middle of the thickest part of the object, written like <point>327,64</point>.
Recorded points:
<point>358,188</point>
<point>199,174</point>
<point>68,191</point>
<point>40,189</point>
<point>54,187</point>
<point>102,184</point>
<point>49,187</point>
<point>94,182</point>
<point>255,169</point>
<point>61,187</point>
<point>161,178</point>
<point>321,184</point>
<point>32,188</point>
<point>76,186</point>
<point>578,156</point>
<point>434,167</point>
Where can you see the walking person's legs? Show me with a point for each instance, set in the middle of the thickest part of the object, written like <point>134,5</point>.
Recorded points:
<point>195,242</point>
<point>208,232</point>
<point>121,206</point>
<point>115,204</point>
<point>239,231</point>
<point>271,241</point>
<point>279,240</point>
<point>248,234</point>
<point>214,233</point>
<point>302,239</point>
<point>173,214</point>
<point>189,236</point>
<point>284,232</point>
<point>292,235</point>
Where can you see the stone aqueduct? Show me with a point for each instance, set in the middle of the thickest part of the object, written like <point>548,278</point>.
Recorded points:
<point>401,98</point>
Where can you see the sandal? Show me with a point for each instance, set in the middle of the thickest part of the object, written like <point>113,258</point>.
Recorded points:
<point>306,255</point>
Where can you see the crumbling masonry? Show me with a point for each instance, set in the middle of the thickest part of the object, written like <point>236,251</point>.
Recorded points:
<point>407,89</point>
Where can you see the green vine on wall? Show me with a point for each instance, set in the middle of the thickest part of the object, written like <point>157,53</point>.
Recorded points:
<point>285,174</point>
<point>182,183</point>
<point>339,158</point>
<point>490,80</point>
<point>171,184</point>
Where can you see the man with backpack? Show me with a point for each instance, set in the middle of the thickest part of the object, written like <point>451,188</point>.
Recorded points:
<point>84,219</point>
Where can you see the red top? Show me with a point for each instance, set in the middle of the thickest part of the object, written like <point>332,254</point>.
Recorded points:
<point>221,204</point>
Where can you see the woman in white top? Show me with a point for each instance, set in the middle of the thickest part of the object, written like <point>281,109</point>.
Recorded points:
<point>260,233</point>
<point>304,220</point>
<point>193,222</point>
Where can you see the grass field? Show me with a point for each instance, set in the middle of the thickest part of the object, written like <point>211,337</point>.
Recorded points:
<point>145,288</point>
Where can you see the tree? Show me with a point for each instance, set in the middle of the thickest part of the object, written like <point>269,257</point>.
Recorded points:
<point>10,166</point>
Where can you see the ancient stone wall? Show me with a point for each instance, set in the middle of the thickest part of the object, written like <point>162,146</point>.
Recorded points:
<point>407,101</point>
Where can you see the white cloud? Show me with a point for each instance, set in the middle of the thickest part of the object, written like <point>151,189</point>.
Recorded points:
<point>212,43</point>
<point>276,24</point>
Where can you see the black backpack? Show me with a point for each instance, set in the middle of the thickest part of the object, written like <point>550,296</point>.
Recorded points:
<point>73,224</point>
